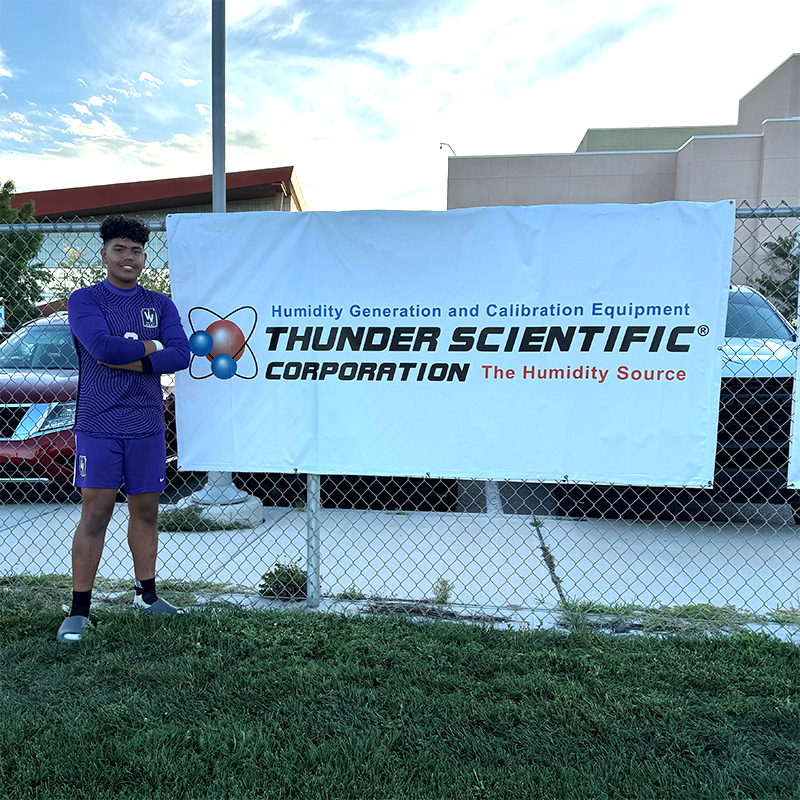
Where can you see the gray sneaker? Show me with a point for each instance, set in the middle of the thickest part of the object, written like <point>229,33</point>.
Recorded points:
<point>71,630</point>
<point>159,607</point>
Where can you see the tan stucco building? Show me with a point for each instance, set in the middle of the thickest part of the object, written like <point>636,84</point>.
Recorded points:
<point>755,161</point>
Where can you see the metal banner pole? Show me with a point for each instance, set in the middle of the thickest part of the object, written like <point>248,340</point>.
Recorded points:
<point>313,582</point>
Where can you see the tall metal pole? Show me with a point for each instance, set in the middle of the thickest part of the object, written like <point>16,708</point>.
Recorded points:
<point>219,488</point>
<point>218,105</point>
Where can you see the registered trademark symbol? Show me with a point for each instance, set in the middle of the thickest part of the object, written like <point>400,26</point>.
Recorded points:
<point>703,330</point>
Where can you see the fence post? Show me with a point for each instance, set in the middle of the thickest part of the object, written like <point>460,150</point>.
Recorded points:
<point>313,582</point>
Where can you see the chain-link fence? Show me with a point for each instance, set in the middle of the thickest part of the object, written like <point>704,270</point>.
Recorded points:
<point>526,554</point>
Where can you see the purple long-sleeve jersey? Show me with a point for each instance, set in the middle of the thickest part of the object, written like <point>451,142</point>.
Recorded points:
<point>109,325</point>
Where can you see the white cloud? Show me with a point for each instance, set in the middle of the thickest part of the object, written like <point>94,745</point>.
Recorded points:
<point>124,92</point>
<point>189,81</point>
<point>203,109</point>
<point>81,109</point>
<point>236,11</point>
<point>96,101</point>
<point>64,164</point>
<point>94,129</point>
<point>4,71</point>
<point>282,31</point>
<point>146,77</point>
<point>19,129</point>
<point>184,141</point>
<point>232,101</point>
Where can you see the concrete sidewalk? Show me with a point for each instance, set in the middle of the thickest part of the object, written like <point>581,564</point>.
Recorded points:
<point>493,561</point>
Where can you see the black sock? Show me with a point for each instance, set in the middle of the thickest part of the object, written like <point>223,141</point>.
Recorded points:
<point>147,590</point>
<point>80,604</point>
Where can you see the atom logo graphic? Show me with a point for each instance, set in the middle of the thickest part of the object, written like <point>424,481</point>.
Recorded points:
<point>221,344</point>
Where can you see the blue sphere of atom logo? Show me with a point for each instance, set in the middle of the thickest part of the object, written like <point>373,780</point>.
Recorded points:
<point>222,344</point>
<point>201,343</point>
<point>223,366</point>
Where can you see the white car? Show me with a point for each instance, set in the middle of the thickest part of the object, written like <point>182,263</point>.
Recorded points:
<point>759,357</point>
<point>758,368</point>
<point>759,342</point>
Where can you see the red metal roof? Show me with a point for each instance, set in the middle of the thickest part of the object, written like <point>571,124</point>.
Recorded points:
<point>166,193</point>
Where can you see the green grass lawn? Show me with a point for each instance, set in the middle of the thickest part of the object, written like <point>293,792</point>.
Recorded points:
<point>232,704</point>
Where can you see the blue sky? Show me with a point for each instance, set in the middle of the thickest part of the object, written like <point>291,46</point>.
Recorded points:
<point>358,94</point>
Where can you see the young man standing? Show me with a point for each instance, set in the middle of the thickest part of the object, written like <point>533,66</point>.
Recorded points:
<point>126,338</point>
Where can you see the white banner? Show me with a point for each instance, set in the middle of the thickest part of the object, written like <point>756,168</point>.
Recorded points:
<point>538,343</point>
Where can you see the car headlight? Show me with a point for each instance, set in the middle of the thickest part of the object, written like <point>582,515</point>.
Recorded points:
<point>46,418</point>
<point>58,417</point>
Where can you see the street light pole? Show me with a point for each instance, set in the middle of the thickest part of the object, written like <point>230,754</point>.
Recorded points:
<point>219,489</point>
<point>218,105</point>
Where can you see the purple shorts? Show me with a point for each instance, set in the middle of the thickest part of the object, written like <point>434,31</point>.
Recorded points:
<point>139,464</point>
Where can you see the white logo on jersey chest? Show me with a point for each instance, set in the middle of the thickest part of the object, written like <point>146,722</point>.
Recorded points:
<point>149,318</point>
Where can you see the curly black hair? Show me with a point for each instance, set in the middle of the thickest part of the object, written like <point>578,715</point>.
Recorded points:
<point>120,227</point>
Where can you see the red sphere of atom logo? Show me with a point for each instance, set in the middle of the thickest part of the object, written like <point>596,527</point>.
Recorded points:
<point>227,337</point>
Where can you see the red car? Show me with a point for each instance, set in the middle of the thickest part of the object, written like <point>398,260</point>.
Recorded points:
<point>38,389</point>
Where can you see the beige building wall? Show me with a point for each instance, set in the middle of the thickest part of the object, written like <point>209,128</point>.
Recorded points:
<point>645,177</point>
<point>756,161</point>
<point>776,97</point>
<point>713,168</point>
<point>781,161</point>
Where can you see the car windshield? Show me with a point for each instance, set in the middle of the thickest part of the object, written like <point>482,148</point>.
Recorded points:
<point>750,316</point>
<point>39,347</point>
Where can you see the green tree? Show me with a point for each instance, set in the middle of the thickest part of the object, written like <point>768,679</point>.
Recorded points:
<point>21,277</point>
<point>779,283</point>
